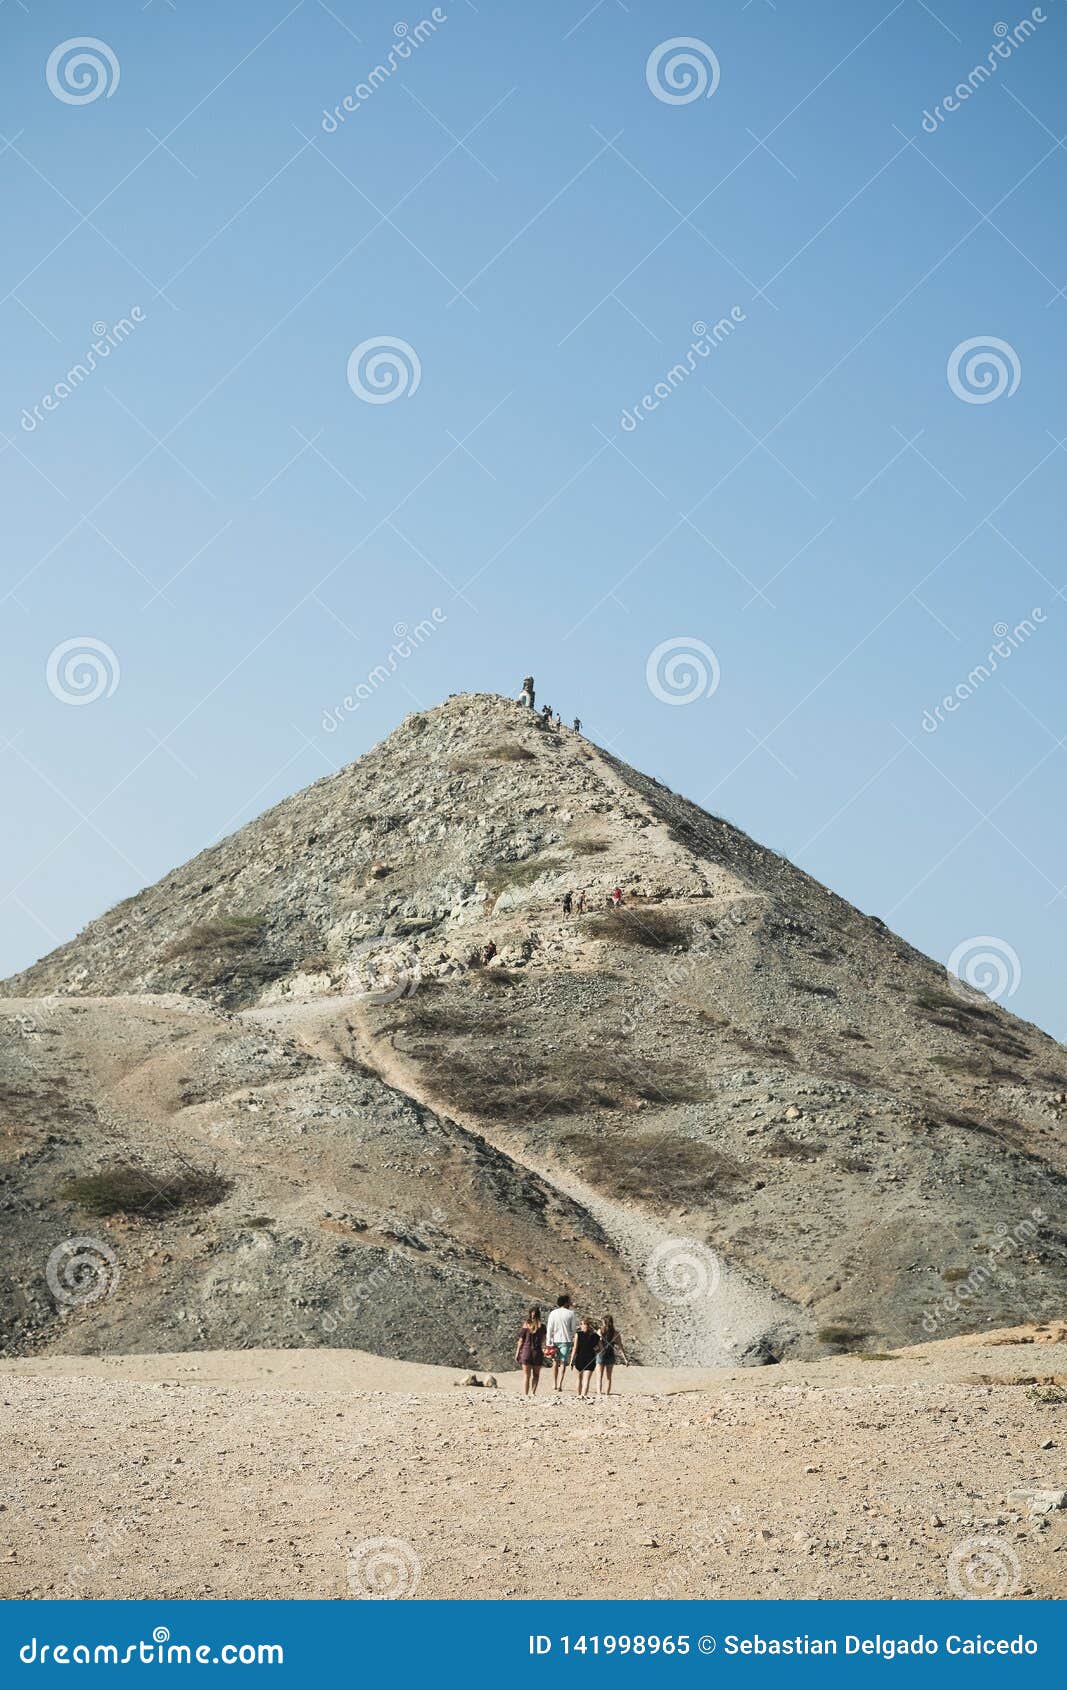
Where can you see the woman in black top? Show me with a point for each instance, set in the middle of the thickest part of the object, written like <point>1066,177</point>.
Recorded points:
<point>586,1342</point>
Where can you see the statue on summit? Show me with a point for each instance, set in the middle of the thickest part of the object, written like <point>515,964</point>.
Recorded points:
<point>527,695</point>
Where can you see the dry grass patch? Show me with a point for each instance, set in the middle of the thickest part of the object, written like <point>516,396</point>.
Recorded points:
<point>126,1188</point>
<point>794,1149</point>
<point>508,752</point>
<point>587,845</point>
<point>512,876</point>
<point>646,929</point>
<point>843,1336</point>
<point>222,934</point>
<point>506,1083</point>
<point>650,1165</point>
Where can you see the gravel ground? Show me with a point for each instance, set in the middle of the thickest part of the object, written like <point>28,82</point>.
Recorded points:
<point>268,1474</point>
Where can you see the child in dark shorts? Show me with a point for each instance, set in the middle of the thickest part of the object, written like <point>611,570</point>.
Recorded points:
<point>586,1343</point>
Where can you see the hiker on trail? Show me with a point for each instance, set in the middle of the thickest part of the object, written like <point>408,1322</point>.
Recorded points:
<point>489,952</point>
<point>608,1349</point>
<point>577,724</point>
<point>561,1324</point>
<point>616,897</point>
<point>567,903</point>
<point>580,905</point>
<point>586,1343</point>
<point>557,721</point>
<point>530,1351</point>
<point>527,695</point>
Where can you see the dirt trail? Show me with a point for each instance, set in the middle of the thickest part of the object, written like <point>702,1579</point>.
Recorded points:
<point>708,1312</point>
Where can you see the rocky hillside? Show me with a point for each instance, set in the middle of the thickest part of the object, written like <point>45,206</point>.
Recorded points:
<point>225,1180</point>
<point>751,1116</point>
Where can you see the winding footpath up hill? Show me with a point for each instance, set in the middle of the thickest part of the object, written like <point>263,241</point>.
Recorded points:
<point>288,1104</point>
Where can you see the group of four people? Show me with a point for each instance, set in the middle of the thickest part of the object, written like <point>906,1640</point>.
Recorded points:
<point>568,1342</point>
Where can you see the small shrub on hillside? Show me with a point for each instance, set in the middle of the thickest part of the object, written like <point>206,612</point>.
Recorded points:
<point>967,1064</point>
<point>648,929</point>
<point>842,1335</point>
<point>508,753</point>
<point>125,1188</point>
<point>427,1019</point>
<point>510,876</point>
<point>794,1149</point>
<point>584,845</point>
<point>223,933</point>
<point>936,1002</point>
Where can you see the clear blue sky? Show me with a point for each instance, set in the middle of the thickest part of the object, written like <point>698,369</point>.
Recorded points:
<point>814,502</point>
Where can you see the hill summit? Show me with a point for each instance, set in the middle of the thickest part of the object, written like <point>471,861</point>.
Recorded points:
<point>746,1117</point>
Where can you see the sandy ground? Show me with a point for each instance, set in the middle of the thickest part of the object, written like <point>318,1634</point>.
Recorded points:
<point>277,1473</point>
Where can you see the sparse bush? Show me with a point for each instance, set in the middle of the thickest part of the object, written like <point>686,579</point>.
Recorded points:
<point>965,1123</point>
<point>510,1084</point>
<point>816,990</point>
<point>431,1020</point>
<point>585,845</point>
<point>842,1335</point>
<point>1054,1394</point>
<point>511,876</point>
<point>223,933</point>
<point>776,1045</point>
<point>938,1002</point>
<point>648,929</point>
<point>125,1188</point>
<point>973,1064</point>
<point>509,753</point>
<point>644,1166</point>
<point>794,1149</point>
<point>952,1276</point>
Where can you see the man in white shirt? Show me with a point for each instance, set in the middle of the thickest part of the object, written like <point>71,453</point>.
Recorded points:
<point>561,1327</point>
